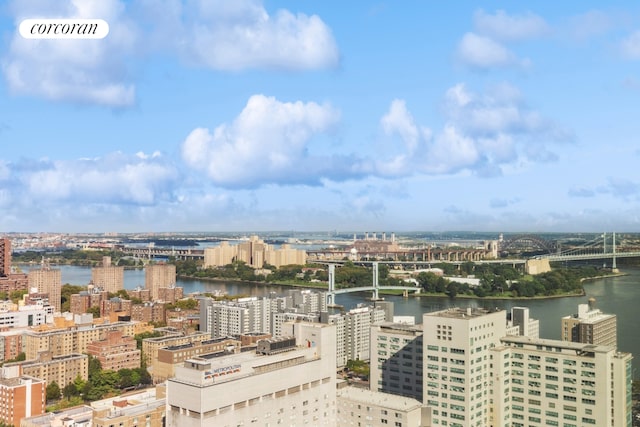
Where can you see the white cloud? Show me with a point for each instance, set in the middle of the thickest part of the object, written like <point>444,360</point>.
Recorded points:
<point>82,71</point>
<point>269,143</point>
<point>483,52</point>
<point>505,27</point>
<point>483,132</point>
<point>114,179</point>
<point>589,24</point>
<point>226,35</point>
<point>630,46</point>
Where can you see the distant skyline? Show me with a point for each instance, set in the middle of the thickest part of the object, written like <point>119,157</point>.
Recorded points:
<point>381,116</point>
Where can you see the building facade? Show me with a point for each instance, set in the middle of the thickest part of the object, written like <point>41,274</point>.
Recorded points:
<point>21,397</point>
<point>559,383</point>
<point>109,277</point>
<point>591,326</point>
<point>116,351</point>
<point>396,364</point>
<point>159,276</point>
<point>47,280</point>
<point>293,384</point>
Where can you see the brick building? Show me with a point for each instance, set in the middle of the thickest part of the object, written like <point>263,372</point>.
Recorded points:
<point>116,351</point>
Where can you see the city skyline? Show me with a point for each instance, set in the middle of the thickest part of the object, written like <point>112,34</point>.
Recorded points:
<point>194,116</point>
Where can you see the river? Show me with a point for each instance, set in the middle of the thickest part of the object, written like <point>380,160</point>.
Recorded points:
<point>616,295</point>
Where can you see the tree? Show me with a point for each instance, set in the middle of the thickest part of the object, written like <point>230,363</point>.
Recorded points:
<point>53,391</point>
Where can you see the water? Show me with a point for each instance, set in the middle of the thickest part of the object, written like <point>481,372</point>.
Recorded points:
<point>617,295</point>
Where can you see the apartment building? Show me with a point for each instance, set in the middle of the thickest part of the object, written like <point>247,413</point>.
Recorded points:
<point>25,316</point>
<point>21,397</point>
<point>146,408</point>
<point>47,280</point>
<point>396,364</point>
<point>116,351</point>
<point>591,326</point>
<point>254,252</point>
<point>150,346</point>
<point>62,369</point>
<point>108,277</point>
<point>286,381</point>
<point>159,276</point>
<point>72,340</point>
<point>558,383</point>
<point>456,348</point>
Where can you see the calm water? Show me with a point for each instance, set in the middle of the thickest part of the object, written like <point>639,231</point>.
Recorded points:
<point>619,295</point>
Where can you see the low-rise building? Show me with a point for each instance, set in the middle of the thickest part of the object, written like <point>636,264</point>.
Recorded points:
<point>146,408</point>
<point>63,369</point>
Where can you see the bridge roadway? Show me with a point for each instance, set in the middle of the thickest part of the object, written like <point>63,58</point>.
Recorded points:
<point>601,255</point>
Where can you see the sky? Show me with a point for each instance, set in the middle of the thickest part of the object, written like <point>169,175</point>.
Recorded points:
<point>202,115</point>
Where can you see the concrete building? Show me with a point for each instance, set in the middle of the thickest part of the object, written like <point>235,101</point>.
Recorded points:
<point>74,340</point>
<point>80,416</point>
<point>558,383</point>
<point>159,276</point>
<point>147,408</point>
<point>30,315</point>
<point>288,381</point>
<point>108,277</point>
<point>362,407</point>
<point>353,332</point>
<point>47,280</point>
<point>150,346</point>
<point>116,351</point>
<point>396,364</point>
<point>234,318</point>
<point>456,348</point>
<point>5,256</point>
<point>254,252</point>
<point>21,397</point>
<point>169,358</point>
<point>520,323</point>
<point>61,369</point>
<point>590,326</point>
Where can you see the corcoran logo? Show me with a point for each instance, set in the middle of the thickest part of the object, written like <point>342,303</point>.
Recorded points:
<point>64,28</point>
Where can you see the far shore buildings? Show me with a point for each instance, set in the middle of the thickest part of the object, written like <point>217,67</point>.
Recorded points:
<point>255,253</point>
<point>108,277</point>
<point>10,281</point>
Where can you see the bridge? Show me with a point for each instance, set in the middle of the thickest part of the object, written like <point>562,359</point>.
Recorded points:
<point>375,288</point>
<point>592,250</point>
<point>151,252</point>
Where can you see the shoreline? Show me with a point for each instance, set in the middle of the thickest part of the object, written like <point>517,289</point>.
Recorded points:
<point>382,292</point>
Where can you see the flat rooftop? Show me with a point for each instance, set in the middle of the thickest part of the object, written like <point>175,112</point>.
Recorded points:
<point>462,313</point>
<point>369,397</point>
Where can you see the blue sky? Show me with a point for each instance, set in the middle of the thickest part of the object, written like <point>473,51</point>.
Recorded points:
<point>203,115</point>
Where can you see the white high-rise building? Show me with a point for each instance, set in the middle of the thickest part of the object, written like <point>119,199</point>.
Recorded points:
<point>521,323</point>
<point>558,383</point>
<point>396,364</point>
<point>457,347</point>
<point>354,332</point>
<point>279,384</point>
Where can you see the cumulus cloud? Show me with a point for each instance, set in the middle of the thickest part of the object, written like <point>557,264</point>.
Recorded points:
<point>485,48</point>
<point>502,26</point>
<point>269,143</point>
<point>483,52</point>
<point>82,71</point>
<point>113,179</point>
<point>237,35</point>
<point>483,132</point>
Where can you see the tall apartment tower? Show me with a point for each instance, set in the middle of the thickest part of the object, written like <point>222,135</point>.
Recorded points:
<point>287,381</point>
<point>108,277</point>
<point>590,326</point>
<point>456,349</point>
<point>159,276</point>
<point>396,365</point>
<point>5,256</point>
<point>558,383</point>
<point>48,281</point>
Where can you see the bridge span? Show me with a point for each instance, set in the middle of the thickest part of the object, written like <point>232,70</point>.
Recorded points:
<point>375,288</point>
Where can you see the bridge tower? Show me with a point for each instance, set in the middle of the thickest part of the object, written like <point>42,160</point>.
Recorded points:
<point>331,295</point>
<point>614,267</point>
<point>375,281</point>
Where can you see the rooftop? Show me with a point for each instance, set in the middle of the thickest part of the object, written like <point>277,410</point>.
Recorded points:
<point>369,397</point>
<point>463,313</point>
